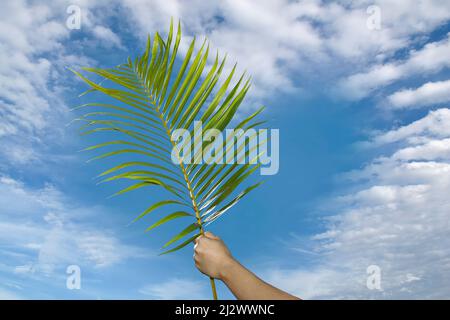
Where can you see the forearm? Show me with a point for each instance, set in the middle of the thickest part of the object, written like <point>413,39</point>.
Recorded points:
<point>213,258</point>
<point>247,286</point>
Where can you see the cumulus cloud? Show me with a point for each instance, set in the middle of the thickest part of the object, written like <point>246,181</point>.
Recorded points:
<point>427,60</point>
<point>279,43</point>
<point>8,295</point>
<point>433,126</point>
<point>51,233</point>
<point>352,37</point>
<point>266,40</point>
<point>36,49</point>
<point>175,288</point>
<point>284,44</point>
<point>395,216</point>
<point>429,94</point>
<point>107,37</point>
<point>25,95</point>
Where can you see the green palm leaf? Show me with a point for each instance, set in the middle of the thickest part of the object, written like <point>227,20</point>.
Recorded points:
<point>152,99</point>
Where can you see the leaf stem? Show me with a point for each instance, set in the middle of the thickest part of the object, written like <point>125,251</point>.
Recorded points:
<point>185,175</point>
<point>191,192</point>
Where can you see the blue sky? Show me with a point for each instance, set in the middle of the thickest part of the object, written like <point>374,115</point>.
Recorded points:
<point>362,109</point>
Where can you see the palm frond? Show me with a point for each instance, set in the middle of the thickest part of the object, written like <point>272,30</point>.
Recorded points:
<point>152,98</point>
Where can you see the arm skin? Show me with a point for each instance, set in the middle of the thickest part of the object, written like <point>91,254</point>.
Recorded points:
<point>213,258</point>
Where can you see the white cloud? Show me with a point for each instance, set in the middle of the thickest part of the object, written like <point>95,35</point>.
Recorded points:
<point>284,46</point>
<point>429,94</point>
<point>396,215</point>
<point>175,288</point>
<point>427,60</point>
<point>107,37</point>
<point>290,45</point>
<point>53,233</point>
<point>399,21</point>
<point>35,47</point>
<point>27,32</point>
<point>303,283</point>
<point>434,125</point>
<point>431,150</point>
<point>9,295</point>
<point>267,40</point>
<point>26,99</point>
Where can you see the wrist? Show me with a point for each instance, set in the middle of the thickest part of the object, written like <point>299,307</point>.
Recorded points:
<point>228,267</point>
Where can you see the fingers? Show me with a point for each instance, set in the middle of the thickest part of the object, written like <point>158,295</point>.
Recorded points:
<point>197,240</point>
<point>203,240</point>
<point>210,235</point>
<point>198,243</point>
<point>206,235</point>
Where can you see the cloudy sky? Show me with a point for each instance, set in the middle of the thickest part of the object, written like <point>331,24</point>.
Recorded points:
<point>360,91</point>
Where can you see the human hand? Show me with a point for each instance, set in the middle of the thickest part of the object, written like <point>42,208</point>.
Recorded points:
<point>211,255</point>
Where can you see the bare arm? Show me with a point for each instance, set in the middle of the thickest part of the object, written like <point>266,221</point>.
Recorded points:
<point>213,258</point>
